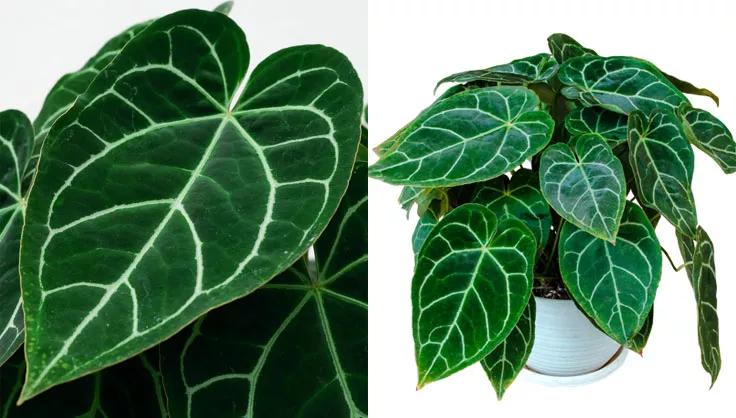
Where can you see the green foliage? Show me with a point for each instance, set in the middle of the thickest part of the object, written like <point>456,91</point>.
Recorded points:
<point>590,190</point>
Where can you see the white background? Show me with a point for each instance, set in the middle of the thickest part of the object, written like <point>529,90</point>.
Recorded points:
<point>42,40</point>
<point>415,43</point>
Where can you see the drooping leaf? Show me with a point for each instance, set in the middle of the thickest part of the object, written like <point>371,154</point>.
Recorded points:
<point>698,255</point>
<point>424,225</point>
<point>16,143</point>
<point>519,197</point>
<point>689,88</point>
<point>563,48</point>
<point>587,186</point>
<point>189,203</point>
<point>711,136</point>
<point>595,120</point>
<point>471,284</point>
<point>614,284</point>
<point>535,69</point>
<point>130,389</point>
<point>508,359</point>
<point>619,84</point>
<point>424,198</point>
<point>296,347</point>
<point>662,161</point>
<point>640,338</point>
<point>471,136</point>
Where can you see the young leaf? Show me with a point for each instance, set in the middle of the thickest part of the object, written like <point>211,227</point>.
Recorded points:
<point>425,224</point>
<point>508,359</point>
<point>224,8</point>
<point>640,338</point>
<point>520,198</point>
<point>471,136</point>
<point>190,204</point>
<point>708,133</point>
<point>296,347</point>
<point>563,47</point>
<point>535,69</point>
<point>689,88</point>
<point>700,265</point>
<point>471,284</point>
<point>587,186</point>
<point>662,162</point>
<point>620,84</point>
<point>614,284</point>
<point>596,120</point>
<point>16,143</point>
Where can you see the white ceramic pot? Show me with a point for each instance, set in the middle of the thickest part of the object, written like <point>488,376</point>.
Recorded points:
<point>566,343</point>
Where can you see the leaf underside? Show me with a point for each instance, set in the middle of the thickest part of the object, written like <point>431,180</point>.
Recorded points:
<point>535,69</point>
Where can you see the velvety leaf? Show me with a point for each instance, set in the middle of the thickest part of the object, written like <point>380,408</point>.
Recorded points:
<point>519,197</point>
<point>16,142</point>
<point>508,359</point>
<point>710,135</point>
<point>620,84</point>
<point>424,225</point>
<point>471,136</point>
<point>698,255</point>
<point>563,47</point>
<point>662,161</point>
<point>595,120</point>
<point>689,88</point>
<point>640,338</point>
<point>190,204</point>
<point>587,186</point>
<point>613,284</point>
<point>535,69</point>
<point>471,284</point>
<point>296,347</point>
<point>424,198</point>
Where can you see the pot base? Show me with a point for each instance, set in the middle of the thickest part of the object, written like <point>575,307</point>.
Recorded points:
<point>583,379</point>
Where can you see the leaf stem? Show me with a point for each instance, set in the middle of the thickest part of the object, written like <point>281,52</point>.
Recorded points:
<point>675,268</point>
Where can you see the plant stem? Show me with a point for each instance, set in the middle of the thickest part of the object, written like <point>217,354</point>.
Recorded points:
<point>554,246</point>
<point>675,268</point>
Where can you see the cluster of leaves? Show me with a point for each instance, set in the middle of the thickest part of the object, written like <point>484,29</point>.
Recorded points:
<point>152,193</point>
<point>521,174</point>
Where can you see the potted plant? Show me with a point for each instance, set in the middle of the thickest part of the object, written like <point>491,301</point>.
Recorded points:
<point>539,184</point>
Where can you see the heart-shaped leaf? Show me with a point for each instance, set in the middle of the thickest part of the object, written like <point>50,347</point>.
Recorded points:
<point>640,338</point>
<point>620,84</point>
<point>296,347</point>
<point>16,143</point>
<point>596,120</point>
<point>708,133</point>
<point>472,281</point>
<point>563,47</point>
<point>424,226</point>
<point>471,136</point>
<point>508,359</point>
<point>698,255</point>
<point>535,69</point>
<point>662,162</point>
<point>587,186</point>
<point>519,197</point>
<point>614,284</point>
<point>190,204</point>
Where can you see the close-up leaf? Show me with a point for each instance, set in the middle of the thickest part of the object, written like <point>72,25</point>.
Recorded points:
<point>614,285</point>
<point>596,120</point>
<point>508,359</point>
<point>535,69</point>
<point>662,162</point>
<point>585,184</point>
<point>519,197</point>
<point>711,136</point>
<point>563,48</point>
<point>472,281</point>
<point>471,136</point>
<point>191,196</point>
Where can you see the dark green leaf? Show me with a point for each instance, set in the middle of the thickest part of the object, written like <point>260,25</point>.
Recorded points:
<point>519,197</point>
<point>687,87</point>
<point>595,120</point>
<point>472,281</point>
<point>708,133</point>
<point>424,197</point>
<point>640,338</point>
<point>535,69</point>
<point>424,225</point>
<point>509,358</point>
<point>587,186</point>
<point>662,161</point>
<point>471,136</point>
<point>564,48</point>
<point>613,284</point>
<point>189,203</point>
<point>620,84</point>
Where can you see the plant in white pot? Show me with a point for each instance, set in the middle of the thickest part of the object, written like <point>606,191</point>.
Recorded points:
<point>539,184</point>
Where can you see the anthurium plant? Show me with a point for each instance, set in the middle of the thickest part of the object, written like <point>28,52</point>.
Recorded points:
<point>547,176</point>
<point>158,184</point>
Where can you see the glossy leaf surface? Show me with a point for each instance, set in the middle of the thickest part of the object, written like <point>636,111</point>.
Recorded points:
<point>508,359</point>
<point>710,135</point>
<point>471,136</point>
<point>586,186</point>
<point>596,120</point>
<point>534,69</point>
<point>189,203</point>
<point>614,284</point>
<point>471,284</point>
<point>662,162</point>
